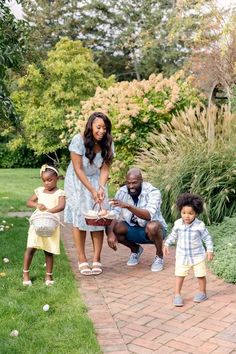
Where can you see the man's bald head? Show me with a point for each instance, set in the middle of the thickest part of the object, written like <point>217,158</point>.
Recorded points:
<point>134,173</point>
<point>134,181</point>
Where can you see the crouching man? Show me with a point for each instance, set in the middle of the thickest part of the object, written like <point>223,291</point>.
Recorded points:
<point>137,206</point>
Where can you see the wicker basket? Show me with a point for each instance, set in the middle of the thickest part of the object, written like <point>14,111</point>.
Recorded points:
<point>100,221</point>
<point>97,220</point>
<point>45,223</point>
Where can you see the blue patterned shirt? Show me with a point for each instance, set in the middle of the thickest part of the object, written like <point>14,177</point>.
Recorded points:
<point>149,199</point>
<point>190,238</point>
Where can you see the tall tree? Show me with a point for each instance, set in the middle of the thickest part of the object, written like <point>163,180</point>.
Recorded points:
<point>213,59</point>
<point>50,20</point>
<point>13,45</point>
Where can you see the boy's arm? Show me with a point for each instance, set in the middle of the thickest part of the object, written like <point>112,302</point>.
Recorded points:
<point>171,239</point>
<point>206,238</point>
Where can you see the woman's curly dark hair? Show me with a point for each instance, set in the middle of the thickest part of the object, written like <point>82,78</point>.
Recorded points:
<point>105,143</point>
<point>192,200</point>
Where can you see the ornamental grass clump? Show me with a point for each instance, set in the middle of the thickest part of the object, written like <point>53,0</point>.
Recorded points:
<point>135,108</point>
<point>195,153</point>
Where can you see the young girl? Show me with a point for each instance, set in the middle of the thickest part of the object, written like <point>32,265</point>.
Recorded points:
<point>190,233</point>
<point>51,199</point>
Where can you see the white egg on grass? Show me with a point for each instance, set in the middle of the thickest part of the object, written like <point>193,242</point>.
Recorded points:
<point>14,333</point>
<point>46,307</point>
<point>6,260</point>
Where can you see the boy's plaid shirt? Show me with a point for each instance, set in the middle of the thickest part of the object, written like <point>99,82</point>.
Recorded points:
<point>190,241</point>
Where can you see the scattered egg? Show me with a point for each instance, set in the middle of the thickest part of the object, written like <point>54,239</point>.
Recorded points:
<point>6,260</point>
<point>46,307</point>
<point>102,212</point>
<point>2,274</point>
<point>14,333</point>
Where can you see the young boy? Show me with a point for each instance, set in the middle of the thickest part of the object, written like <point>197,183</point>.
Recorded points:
<point>190,233</point>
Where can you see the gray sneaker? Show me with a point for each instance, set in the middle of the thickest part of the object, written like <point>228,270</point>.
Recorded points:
<point>134,257</point>
<point>157,265</point>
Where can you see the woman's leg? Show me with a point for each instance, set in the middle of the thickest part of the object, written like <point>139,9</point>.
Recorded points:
<point>29,253</point>
<point>49,265</point>
<point>79,239</point>
<point>97,239</point>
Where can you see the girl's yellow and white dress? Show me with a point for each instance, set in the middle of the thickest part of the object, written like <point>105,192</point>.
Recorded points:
<point>49,244</point>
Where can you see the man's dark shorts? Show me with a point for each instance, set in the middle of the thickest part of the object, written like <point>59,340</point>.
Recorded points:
<point>137,234</point>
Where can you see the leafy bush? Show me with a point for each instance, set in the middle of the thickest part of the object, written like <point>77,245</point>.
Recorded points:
<point>224,262</point>
<point>195,153</point>
<point>19,157</point>
<point>135,109</point>
<point>46,94</point>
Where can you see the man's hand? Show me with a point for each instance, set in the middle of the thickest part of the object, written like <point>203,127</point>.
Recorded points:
<point>210,256</point>
<point>166,250</point>
<point>112,242</point>
<point>118,203</point>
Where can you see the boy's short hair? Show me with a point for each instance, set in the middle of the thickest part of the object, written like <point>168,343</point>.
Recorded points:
<point>192,200</point>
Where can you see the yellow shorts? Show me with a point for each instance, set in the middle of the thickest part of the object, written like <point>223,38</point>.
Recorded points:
<point>183,270</point>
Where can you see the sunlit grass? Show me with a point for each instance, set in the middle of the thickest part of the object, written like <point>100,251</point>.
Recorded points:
<point>65,328</point>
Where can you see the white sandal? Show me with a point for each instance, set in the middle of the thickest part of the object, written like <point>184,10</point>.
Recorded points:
<point>49,282</point>
<point>96,268</point>
<point>26,282</point>
<point>83,270</point>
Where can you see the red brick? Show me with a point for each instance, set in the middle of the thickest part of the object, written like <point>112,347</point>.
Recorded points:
<point>207,348</point>
<point>222,350</point>
<point>152,334</point>
<point>147,344</point>
<point>181,346</point>
<point>164,350</point>
<point>138,350</point>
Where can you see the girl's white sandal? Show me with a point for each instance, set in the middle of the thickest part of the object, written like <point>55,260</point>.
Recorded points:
<point>26,282</point>
<point>49,282</point>
<point>84,268</point>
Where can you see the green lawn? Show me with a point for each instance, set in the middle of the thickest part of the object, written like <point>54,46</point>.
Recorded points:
<point>65,328</point>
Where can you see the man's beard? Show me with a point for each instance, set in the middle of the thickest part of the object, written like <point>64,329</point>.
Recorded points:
<point>136,192</point>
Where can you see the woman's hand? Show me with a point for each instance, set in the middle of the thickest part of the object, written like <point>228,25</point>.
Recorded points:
<point>95,196</point>
<point>101,193</point>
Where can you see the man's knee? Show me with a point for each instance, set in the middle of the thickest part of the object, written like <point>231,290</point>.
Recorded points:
<point>120,230</point>
<point>154,230</point>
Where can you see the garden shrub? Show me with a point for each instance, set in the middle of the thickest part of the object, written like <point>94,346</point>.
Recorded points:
<point>135,108</point>
<point>19,157</point>
<point>224,237</point>
<point>194,153</point>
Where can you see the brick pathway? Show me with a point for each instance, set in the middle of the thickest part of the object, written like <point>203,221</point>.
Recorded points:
<point>132,311</point>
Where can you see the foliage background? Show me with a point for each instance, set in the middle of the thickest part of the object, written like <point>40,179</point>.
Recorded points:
<point>135,108</point>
